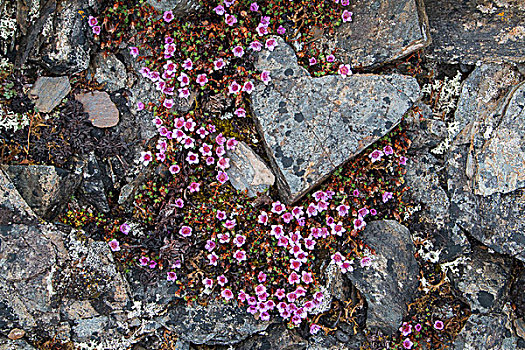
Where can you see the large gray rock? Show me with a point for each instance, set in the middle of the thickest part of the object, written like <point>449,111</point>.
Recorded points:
<point>20,344</point>
<point>471,31</point>
<point>483,280</point>
<point>215,324</point>
<point>13,208</point>
<point>248,172</point>
<point>49,92</point>
<point>178,7</point>
<point>278,337</point>
<point>46,189</point>
<point>110,71</point>
<point>382,31</point>
<point>68,49</point>
<point>310,126</point>
<point>487,162</point>
<point>391,282</point>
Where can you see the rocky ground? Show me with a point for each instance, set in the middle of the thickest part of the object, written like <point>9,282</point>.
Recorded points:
<point>393,128</point>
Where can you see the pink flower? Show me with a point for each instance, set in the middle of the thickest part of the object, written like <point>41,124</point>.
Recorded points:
<point>418,327</point>
<point>210,160</point>
<point>230,224</point>
<point>222,177</point>
<point>222,280</point>
<point>242,296</point>
<point>330,58</point>
<point>230,20</point>
<point>185,231</point>
<point>187,64</point>
<point>221,215</point>
<point>342,210</point>
<point>347,16</point>
<point>219,10</point>
<point>172,276</point>
<point>168,103</point>
<point>168,40</point>
<point>338,258</point>
<point>152,264</point>
<point>366,261</point>
<point>218,64</point>
<point>277,230</point>
<point>279,293</point>
<point>227,294</point>
<point>355,193</point>
<point>234,88</point>
<point>210,245</point>
<point>213,259</point>
<point>179,203</point>
<point>314,328</point>
<point>168,16</point>
<point>439,325</point>
<point>194,187</point>
<point>114,245</point>
<point>174,169</point>
<point>134,51</point>
<point>407,343</point>
<point>240,255</point>
<point>184,92</point>
<point>375,155</point>
<point>402,160</point>
<point>387,196</point>
<point>271,44</point>
<point>261,277</point>
<point>344,70</point>
<point>208,282</point>
<point>254,7</point>
<point>405,329</point>
<point>345,2</point>
<point>144,261</point>
<point>278,207</point>
<point>161,157</point>
<point>96,30</point>
<point>359,223</point>
<point>281,30</point>
<point>291,297</point>
<point>240,112</point>
<point>263,218</point>
<point>287,217</point>
<point>307,277</point>
<point>293,278</point>
<point>192,158</point>
<point>183,79</point>
<point>140,106</point>
<point>248,87</point>
<point>388,150</point>
<point>202,79</point>
<point>363,212</point>
<point>346,267</point>
<point>255,45</point>
<point>239,240</point>
<point>238,51</point>
<point>311,210</point>
<point>231,144</point>
<point>125,228</point>
<point>205,150</point>
<point>92,21</point>
<point>338,229</point>
<point>265,77</point>
<point>312,61</point>
<point>262,29</point>
<point>146,158</point>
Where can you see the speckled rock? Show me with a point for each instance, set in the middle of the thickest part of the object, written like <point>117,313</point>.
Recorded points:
<point>101,110</point>
<point>487,332</point>
<point>483,280</point>
<point>68,49</point>
<point>276,337</point>
<point>92,187</point>
<point>382,31</point>
<point>486,166</point>
<point>392,280</point>
<point>48,92</point>
<point>110,72</point>
<point>216,324</point>
<point>13,208</point>
<point>310,126</point>
<point>178,7</point>
<point>248,172</point>
<point>472,31</point>
<point>20,344</point>
<point>45,188</point>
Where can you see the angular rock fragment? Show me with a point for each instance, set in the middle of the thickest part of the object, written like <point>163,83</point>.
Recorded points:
<point>110,71</point>
<point>13,208</point>
<point>392,280</point>
<point>474,31</point>
<point>178,7</point>
<point>311,126</point>
<point>102,111</point>
<point>486,332</point>
<point>248,172</point>
<point>49,92</point>
<point>382,31</point>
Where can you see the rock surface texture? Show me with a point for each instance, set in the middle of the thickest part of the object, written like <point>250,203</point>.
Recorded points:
<point>178,7</point>
<point>486,164</point>
<point>391,282</point>
<point>473,31</point>
<point>382,31</point>
<point>312,125</point>
<point>102,111</point>
<point>49,92</point>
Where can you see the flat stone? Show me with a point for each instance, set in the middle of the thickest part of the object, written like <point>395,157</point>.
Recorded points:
<point>310,126</point>
<point>474,31</point>
<point>46,189</point>
<point>382,31</point>
<point>392,280</point>
<point>487,332</point>
<point>248,172</point>
<point>110,71</point>
<point>178,7</point>
<point>49,92</point>
<point>486,164</point>
<point>483,280</point>
<point>101,110</point>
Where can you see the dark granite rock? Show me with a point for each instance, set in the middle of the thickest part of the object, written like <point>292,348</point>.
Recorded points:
<point>110,72</point>
<point>45,188</point>
<point>473,31</point>
<point>92,186</point>
<point>101,110</point>
<point>216,324</point>
<point>49,92</point>
<point>311,126</point>
<point>68,49</point>
<point>423,129</point>
<point>13,208</point>
<point>483,280</point>
<point>486,166</point>
<point>248,172</point>
<point>276,337</point>
<point>487,332</point>
<point>178,7</point>
<point>392,280</point>
<point>20,344</point>
<point>382,31</point>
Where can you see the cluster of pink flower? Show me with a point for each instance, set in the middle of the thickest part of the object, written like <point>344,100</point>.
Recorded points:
<point>406,330</point>
<point>93,23</point>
